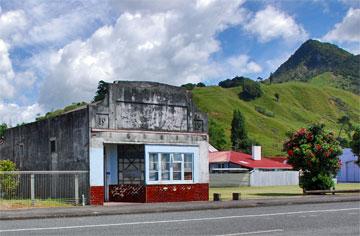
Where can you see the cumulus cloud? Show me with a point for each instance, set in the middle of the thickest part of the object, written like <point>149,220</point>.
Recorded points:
<point>271,23</point>
<point>172,46</point>
<point>348,30</point>
<point>7,74</point>
<point>13,114</point>
<point>243,65</point>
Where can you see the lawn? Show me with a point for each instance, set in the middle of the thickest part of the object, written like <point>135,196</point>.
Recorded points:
<point>26,203</point>
<point>269,191</point>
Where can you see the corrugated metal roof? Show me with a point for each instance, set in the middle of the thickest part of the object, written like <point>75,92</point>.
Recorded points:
<point>245,160</point>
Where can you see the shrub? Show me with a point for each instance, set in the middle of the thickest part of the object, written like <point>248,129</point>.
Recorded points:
<point>217,135</point>
<point>234,82</point>
<point>3,128</point>
<point>355,144</point>
<point>314,152</point>
<point>8,182</point>
<point>251,90</point>
<point>263,111</point>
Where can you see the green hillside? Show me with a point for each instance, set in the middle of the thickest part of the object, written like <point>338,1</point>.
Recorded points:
<point>314,58</point>
<point>300,104</point>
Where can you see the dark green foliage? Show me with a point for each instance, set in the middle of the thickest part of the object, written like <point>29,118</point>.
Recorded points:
<point>217,135</point>
<point>58,112</point>
<point>346,125</point>
<point>263,111</point>
<point>190,86</point>
<point>3,128</point>
<point>355,143</point>
<point>239,138</point>
<point>315,152</point>
<point>277,97</point>
<point>271,78</point>
<point>8,182</point>
<point>251,90</point>
<point>235,82</point>
<point>101,92</point>
<point>314,58</point>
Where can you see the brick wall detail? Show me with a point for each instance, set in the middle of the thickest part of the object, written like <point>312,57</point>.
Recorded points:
<point>177,192</point>
<point>127,193</point>
<point>96,195</point>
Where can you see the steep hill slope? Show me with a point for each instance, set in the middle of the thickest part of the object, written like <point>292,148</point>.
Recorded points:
<point>300,104</point>
<point>314,58</point>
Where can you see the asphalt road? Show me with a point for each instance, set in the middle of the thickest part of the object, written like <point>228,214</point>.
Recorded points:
<point>310,219</point>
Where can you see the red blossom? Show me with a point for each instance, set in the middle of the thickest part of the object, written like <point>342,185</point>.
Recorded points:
<point>290,152</point>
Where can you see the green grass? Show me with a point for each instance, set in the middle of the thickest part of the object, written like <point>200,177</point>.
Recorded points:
<point>268,191</point>
<point>26,203</point>
<point>300,105</point>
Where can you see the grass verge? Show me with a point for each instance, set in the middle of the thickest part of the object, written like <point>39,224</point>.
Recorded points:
<point>269,191</point>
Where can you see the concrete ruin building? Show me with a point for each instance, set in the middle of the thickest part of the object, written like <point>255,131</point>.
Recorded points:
<point>145,142</point>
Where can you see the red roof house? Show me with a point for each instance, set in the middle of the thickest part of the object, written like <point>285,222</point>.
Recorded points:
<point>231,159</point>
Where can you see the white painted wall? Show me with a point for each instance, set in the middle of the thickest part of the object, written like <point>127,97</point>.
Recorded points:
<point>96,166</point>
<point>274,178</point>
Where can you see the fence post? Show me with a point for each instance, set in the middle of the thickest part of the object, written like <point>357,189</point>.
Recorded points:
<point>76,189</point>
<point>32,189</point>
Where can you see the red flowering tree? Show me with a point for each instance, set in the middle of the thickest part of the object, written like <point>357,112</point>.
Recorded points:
<point>315,153</point>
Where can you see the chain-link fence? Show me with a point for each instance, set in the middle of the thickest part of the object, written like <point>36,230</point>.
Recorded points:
<point>43,188</point>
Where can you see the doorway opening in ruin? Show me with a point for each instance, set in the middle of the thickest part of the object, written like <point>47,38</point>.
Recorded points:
<point>125,173</point>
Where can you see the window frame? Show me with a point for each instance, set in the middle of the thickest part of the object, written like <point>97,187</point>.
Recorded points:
<point>172,151</point>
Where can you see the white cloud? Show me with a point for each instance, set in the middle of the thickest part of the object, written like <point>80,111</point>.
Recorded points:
<point>348,30</point>
<point>13,114</point>
<point>172,46</point>
<point>271,23</point>
<point>6,73</point>
<point>242,65</point>
<point>12,23</point>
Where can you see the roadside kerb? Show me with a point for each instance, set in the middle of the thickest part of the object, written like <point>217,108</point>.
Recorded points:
<point>39,213</point>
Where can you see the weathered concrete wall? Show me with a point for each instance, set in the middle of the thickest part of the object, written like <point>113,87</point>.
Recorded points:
<point>147,106</point>
<point>29,145</point>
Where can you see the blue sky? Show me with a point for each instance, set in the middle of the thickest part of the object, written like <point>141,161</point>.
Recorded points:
<point>53,53</point>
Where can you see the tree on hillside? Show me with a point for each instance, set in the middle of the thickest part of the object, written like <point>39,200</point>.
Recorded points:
<point>277,97</point>
<point>217,135</point>
<point>315,153</point>
<point>271,78</point>
<point>345,123</point>
<point>355,143</point>
<point>200,85</point>
<point>239,138</point>
<point>251,90</point>
<point>102,90</point>
<point>3,128</point>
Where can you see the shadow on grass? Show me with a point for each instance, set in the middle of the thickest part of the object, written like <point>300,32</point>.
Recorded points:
<point>276,194</point>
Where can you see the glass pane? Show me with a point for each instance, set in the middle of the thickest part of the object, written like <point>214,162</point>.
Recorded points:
<point>153,176</point>
<point>177,157</point>
<point>188,157</point>
<point>187,175</point>
<point>153,161</point>
<point>177,176</point>
<point>187,166</point>
<point>177,167</point>
<point>165,175</point>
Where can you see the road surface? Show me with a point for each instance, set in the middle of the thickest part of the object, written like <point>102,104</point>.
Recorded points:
<point>309,219</point>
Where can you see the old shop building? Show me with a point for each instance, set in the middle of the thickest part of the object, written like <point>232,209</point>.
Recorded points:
<point>145,142</point>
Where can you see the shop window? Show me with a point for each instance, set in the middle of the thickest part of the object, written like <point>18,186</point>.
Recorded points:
<point>171,167</point>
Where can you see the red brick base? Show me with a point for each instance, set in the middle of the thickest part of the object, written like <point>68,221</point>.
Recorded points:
<point>177,193</point>
<point>96,195</point>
